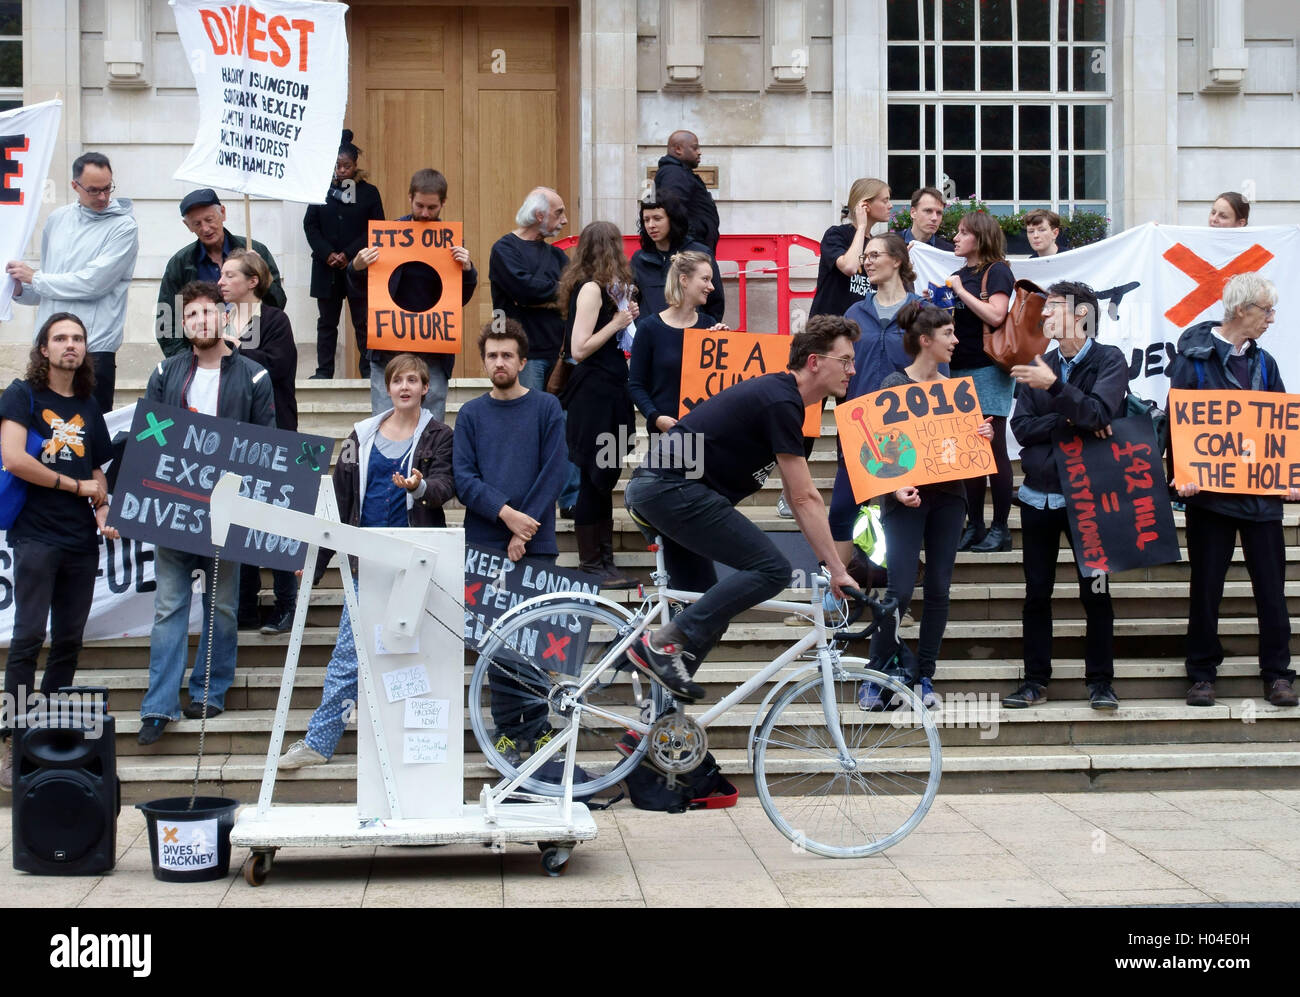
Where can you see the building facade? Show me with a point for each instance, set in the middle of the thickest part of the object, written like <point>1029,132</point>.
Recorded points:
<point>1141,109</point>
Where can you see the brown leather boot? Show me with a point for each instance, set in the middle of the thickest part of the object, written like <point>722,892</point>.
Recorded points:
<point>606,536</point>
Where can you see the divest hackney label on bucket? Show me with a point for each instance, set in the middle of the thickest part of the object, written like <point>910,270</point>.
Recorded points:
<point>187,846</point>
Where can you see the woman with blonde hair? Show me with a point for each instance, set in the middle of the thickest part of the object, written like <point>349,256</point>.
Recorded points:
<point>841,275</point>
<point>595,295</point>
<point>984,287</point>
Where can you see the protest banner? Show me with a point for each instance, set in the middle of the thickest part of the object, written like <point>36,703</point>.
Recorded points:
<point>27,137</point>
<point>175,457</point>
<point>713,361</point>
<point>916,434</point>
<point>495,584</point>
<point>272,82</point>
<point>414,286</point>
<point>1153,282</point>
<point>1116,498</point>
<point>1235,441</point>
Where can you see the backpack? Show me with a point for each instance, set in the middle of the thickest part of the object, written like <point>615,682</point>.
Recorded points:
<point>13,489</point>
<point>1136,405</point>
<point>649,790</point>
<point>1020,336</point>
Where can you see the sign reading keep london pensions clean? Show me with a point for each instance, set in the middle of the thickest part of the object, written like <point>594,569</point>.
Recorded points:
<point>272,84</point>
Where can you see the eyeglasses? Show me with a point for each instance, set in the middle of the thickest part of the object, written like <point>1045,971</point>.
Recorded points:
<point>845,362</point>
<point>96,191</point>
<point>872,257</point>
<point>1270,312</point>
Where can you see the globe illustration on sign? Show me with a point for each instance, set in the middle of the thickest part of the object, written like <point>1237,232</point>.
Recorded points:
<point>893,454</point>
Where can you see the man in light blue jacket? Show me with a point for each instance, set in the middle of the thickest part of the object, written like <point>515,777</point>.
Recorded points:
<point>88,254</point>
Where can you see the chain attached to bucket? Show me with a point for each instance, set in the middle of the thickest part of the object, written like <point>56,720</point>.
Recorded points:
<point>207,677</point>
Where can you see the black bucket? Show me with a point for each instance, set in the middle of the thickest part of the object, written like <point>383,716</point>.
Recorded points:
<point>195,844</point>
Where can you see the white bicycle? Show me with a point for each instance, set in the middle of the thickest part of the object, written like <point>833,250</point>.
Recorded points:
<point>833,778</point>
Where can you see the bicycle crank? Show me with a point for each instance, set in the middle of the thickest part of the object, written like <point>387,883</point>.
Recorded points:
<point>677,744</point>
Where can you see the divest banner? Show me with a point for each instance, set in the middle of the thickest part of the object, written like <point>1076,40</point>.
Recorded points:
<point>27,137</point>
<point>272,77</point>
<point>916,434</point>
<point>1116,498</point>
<point>1235,441</point>
<point>713,361</point>
<point>415,287</point>
<point>1155,281</point>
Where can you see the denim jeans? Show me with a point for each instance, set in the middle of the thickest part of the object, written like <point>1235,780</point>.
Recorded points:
<point>435,399</point>
<point>55,584</point>
<point>177,574</point>
<point>533,377</point>
<point>699,527</point>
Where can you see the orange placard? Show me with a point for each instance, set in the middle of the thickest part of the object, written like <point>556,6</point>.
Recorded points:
<point>414,288</point>
<point>1235,441</point>
<point>914,434</point>
<point>715,360</point>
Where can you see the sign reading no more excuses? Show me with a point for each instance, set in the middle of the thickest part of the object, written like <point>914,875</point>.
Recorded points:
<point>916,434</point>
<point>1235,441</point>
<point>415,287</point>
<point>714,361</point>
<point>173,460</point>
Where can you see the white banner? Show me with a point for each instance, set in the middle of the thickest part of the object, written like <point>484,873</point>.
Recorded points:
<point>124,587</point>
<point>1155,281</point>
<point>27,137</point>
<point>272,77</point>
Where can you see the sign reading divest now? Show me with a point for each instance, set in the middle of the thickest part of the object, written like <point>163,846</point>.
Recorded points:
<point>1116,498</point>
<point>713,361</point>
<point>916,434</point>
<point>1235,441</point>
<point>173,460</point>
<point>415,287</point>
<point>272,82</point>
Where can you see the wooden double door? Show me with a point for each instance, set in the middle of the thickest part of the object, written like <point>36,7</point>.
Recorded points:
<point>484,93</point>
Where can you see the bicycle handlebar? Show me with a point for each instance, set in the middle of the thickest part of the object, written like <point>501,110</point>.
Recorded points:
<point>881,611</point>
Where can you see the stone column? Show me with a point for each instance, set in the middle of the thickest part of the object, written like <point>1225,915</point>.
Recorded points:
<point>860,97</point>
<point>1145,166</point>
<point>608,54</point>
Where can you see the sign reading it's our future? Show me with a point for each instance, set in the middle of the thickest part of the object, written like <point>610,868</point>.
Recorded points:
<point>415,287</point>
<point>173,460</point>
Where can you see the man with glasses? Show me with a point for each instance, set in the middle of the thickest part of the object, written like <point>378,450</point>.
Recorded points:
<point>88,254</point>
<point>720,452</point>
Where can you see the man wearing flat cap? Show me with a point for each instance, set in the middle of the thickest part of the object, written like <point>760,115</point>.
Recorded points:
<point>205,216</point>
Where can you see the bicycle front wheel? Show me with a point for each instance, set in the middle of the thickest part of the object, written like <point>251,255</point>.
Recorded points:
<point>525,676</point>
<point>847,807</point>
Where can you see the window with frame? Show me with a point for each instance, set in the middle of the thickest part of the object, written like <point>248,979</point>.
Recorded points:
<point>1008,101</point>
<point>11,54</point>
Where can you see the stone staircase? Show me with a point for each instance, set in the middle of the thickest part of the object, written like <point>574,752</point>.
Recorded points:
<point>1153,741</point>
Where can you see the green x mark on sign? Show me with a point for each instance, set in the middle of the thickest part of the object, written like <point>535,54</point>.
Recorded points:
<point>309,454</point>
<point>155,429</point>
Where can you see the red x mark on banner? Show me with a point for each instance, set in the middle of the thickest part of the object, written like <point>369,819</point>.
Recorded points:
<point>1209,279</point>
<point>469,593</point>
<point>554,647</point>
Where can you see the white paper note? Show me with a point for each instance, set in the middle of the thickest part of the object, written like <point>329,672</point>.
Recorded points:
<point>424,749</point>
<point>403,683</point>
<point>426,714</point>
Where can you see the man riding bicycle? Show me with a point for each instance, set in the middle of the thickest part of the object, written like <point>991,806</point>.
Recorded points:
<point>723,450</point>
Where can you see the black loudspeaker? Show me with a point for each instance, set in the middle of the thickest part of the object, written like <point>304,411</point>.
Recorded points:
<point>66,792</point>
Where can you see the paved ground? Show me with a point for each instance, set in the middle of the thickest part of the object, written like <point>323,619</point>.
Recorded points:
<point>997,850</point>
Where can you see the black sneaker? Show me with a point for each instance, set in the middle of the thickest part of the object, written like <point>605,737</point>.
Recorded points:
<point>665,667</point>
<point>151,728</point>
<point>1102,697</point>
<point>1201,694</point>
<point>281,624</point>
<point>1029,694</point>
<point>194,710</point>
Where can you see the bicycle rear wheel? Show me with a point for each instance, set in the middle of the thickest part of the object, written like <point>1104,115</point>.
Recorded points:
<point>847,808</point>
<point>523,674</point>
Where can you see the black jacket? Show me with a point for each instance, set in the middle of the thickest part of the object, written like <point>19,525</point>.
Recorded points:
<point>245,393</point>
<point>524,275</point>
<point>1093,398</point>
<point>359,286</point>
<point>650,271</point>
<point>268,341</point>
<point>1199,348</point>
<point>675,178</point>
<point>339,226</point>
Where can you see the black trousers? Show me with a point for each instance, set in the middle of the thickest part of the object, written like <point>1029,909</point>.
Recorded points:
<point>1211,540</point>
<point>55,584</point>
<point>105,365</point>
<point>284,583</point>
<point>1041,531</point>
<point>330,310</point>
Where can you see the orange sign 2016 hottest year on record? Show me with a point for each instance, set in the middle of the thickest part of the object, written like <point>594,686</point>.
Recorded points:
<point>713,361</point>
<point>1235,441</point>
<point>915,434</point>
<point>415,288</point>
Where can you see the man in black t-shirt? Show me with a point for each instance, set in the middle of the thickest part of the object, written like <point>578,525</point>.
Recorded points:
<point>55,536</point>
<point>720,452</point>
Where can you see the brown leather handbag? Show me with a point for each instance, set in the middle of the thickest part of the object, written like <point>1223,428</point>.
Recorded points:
<point>1020,336</point>
<point>558,379</point>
